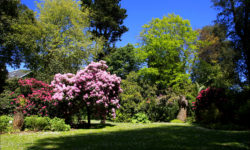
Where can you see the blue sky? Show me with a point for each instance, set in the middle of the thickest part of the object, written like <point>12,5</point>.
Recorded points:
<point>140,12</point>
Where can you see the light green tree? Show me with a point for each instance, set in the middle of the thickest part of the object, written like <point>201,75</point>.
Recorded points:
<point>168,47</point>
<point>60,40</point>
<point>66,43</point>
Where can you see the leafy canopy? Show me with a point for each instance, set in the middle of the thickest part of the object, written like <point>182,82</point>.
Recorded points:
<point>168,47</point>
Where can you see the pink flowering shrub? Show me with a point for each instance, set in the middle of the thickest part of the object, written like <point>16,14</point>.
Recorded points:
<point>210,105</point>
<point>35,99</point>
<point>92,87</point>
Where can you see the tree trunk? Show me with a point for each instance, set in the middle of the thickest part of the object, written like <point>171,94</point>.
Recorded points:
<point>183,103</point>
<point>103,119</point>
<point>89,116</point>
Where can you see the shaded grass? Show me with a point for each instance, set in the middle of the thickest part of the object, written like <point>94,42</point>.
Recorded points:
<point>127,136</point>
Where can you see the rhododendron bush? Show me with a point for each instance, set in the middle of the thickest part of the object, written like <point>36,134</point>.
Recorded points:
<point>92,87</point>
<point>210,105</point>
<point>36,97</point>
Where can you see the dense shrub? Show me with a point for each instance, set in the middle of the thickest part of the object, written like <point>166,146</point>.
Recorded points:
<point>243,114</point>
<point>131,100</point>
<point>57,124</point>
<point>6,106</point>
<point>163,108</point>
<point>36,123</point>
<point>140,118</point>
<point>11,91</point>
<point>210,106</point>
<point>6,123</point>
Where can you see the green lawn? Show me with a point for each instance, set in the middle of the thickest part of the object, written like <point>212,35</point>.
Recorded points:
<point>128,136</point>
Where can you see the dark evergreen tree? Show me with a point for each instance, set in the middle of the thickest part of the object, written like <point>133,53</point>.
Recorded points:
<point>106,21</point>
<point>235,14</point>
<point>122,61</point>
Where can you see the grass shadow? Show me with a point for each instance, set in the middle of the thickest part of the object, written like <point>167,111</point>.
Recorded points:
<point>157,138</point>
<point>93,126</point>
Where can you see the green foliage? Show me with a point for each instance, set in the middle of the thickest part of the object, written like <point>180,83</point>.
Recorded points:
<point>243,113</point>
<point>106,21</point>
<point>11,12</point>
<point>131,100</point>
<point>140,118</point>
<point>6,123</point>
<point>168,47</point>
<point>122,116</point>
<point>58,124</point>
<point>216,62</point>
<point>5,103</point>
<point>163,108</point>
<point>122,61</point>
<point>45,123</point>
<point>11,91</point>
<point>64,44</point>
<point>234,14</point>
<point>37,123</point>
<point>176,121</point>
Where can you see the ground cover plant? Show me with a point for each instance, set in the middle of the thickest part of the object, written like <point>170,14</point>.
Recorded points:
<point>130,136</point>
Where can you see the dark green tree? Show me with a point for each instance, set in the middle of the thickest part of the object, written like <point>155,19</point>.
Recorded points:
<point>216,61</point>
<point>106,21</point>
<point>122,61</point>
<point>12,12</point>
<point>235,14</point>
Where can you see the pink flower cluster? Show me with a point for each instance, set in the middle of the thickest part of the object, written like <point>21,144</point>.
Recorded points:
<point>36,97</point>
<point>94,85</point>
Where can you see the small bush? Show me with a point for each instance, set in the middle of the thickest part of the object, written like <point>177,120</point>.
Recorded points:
<point>58,124</point>
<point>140,118</point>
<point>37,123</point>
<point>6,123</point>
<point>244,113</point>
<point>122,117</point>
<point>190,119</point>
<point>176,121</point>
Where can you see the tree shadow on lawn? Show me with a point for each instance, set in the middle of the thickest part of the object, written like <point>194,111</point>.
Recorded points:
<point>157,138</point>
<point>93,126</point>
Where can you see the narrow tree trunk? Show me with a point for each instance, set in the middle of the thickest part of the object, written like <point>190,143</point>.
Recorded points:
<point>89,116</point>
<point>183,103</point>
<point>103,119</point>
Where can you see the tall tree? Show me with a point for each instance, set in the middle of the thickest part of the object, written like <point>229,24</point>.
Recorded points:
<point>235,14</point>
<point>106,21</point>
<point>122,61</point>
<point>60,38</point>
<point>216,61</point>
<point>168,47</point>
<point>11,12</point>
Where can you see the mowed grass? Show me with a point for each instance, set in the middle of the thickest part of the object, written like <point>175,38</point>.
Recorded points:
<point>128,136</point>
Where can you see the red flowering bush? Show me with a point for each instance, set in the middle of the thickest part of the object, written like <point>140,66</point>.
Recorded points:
<point>210,105</point>
<point>36,97</point>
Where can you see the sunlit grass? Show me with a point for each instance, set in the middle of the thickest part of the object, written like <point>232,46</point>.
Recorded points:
<point>124,136</point>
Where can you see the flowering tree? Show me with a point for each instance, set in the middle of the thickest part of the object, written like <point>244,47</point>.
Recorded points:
<point>36,97</point>
<point>92,87</point>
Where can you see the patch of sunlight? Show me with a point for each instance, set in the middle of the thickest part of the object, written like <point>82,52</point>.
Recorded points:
<point>232,144</point>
